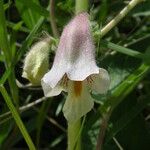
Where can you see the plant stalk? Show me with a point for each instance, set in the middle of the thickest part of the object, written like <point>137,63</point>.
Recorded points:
<point>17,118</point>
<point>74,137</point>
<point>81,6</point>
<point>119,17</point>
<point>52,19</point>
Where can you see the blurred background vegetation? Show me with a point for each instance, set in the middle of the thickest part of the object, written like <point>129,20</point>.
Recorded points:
<point>124,51</point>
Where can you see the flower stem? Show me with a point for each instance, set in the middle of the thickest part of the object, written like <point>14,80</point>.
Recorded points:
<point>74,138</point>
<point>103,127</point>
<point>81,5</point>
<point>119,17</point>
<point>52,19</point>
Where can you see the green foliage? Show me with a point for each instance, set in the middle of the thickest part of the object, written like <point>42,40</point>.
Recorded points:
<point>124,52</point>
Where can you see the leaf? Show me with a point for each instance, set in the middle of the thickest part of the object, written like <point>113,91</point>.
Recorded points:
<point>34,5</point>
<point>125,73</point>
<point>41,118</point>
<point>128,115</point>
<point>122,49</point>
<point>28,40</point>
<point>4,131</point>
<point>29,16</point>
<point>5,76</point>
<point>135,135</point>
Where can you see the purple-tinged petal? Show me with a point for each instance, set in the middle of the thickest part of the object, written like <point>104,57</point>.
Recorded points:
<point>76,52</point>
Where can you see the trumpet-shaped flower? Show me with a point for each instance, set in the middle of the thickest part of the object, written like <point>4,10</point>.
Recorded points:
<point>74,70</point>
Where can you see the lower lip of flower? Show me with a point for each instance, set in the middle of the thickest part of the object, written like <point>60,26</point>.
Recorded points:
<point>77,85</point>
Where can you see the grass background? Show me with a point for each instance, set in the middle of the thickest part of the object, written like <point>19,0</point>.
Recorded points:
<point>124,52</point>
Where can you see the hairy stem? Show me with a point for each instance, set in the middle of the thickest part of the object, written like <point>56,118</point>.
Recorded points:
<point>81,5</point>
<point>52,19</point>
<point>119,17</point>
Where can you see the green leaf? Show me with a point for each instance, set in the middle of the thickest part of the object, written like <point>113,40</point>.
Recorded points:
<point>5,129</point>
<point>29,16</point>
<point>31,126</point>
<point>135,135</point>
<point>19,26</point>
<point>41,118</point>
<point>5,76</point>
<point>28,40</point>
<point>127,116</point>
<point>122,49</point>
<point>33,5</point>
<point>125,87</point>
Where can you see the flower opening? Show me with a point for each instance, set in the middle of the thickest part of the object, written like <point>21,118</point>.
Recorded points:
<point>77,88</point>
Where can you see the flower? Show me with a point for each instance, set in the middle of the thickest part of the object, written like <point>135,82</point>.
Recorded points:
<point>74,70</point>
<point>36,62</point>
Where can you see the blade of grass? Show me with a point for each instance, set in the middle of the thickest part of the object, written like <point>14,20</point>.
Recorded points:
<point>17,118</point>
<point>5,46</point>
<point>41,118</point>
<point>35,7</point>
<point>29,40</point>
<point>7,5</point>
<point>5,76</point>
<point>13,26</point>
<point>2,59</point>
<point>56,141</point>
<point>121,49</point>
<point>29,16</point>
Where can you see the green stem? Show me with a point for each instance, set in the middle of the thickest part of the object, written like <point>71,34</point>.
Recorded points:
<point>5,47</point>
<point>119,17</point>
<point>52,19</point>
<point>81,5</point>
<point>74,138</point>
<point>17,118</point>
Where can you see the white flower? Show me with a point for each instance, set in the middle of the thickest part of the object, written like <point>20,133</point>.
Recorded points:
<point>74,70</point>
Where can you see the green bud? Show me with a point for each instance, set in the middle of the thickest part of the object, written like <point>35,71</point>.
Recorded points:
<point>36,62</point>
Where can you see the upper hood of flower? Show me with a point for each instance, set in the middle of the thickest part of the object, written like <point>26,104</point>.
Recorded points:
<point>75,55</point>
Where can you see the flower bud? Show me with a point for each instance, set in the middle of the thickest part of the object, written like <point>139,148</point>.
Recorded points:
<point>36,62</point>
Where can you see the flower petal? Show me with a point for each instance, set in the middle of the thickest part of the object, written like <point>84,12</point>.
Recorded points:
<point>53,76</point>
<point>49,91</point>
<point>100,82</point>
<point>78,103</point>
<point>82,50</point>
<point>76,52</point>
